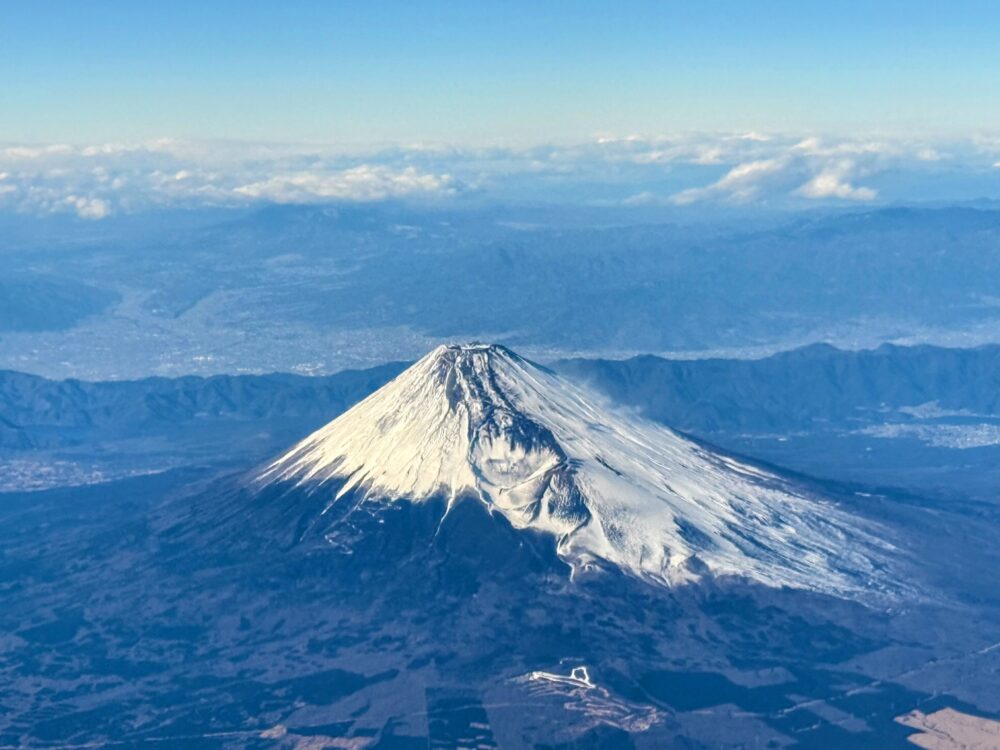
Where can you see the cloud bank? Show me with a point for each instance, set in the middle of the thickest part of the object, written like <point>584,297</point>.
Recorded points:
<point>365,183</point>
<point>95,181</point>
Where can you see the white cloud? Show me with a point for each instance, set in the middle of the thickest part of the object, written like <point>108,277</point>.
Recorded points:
<point>645,198</point>
<point>88,208</point>
<point>811,168</point>
<point>361,183</point>
<point>710,155</point>
<point>35,152</point>
<point>810,145</point>
<point>744,178</point>
<point>94,180</point>
<point>814,146</point>
<point>833,182</point>
<point>5,187</point>
<point>159,145</point>
<point>742,183</point>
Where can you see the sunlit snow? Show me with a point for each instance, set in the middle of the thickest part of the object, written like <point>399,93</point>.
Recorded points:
<point>479,422</point>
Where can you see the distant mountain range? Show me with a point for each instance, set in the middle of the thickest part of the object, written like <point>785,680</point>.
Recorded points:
<point>817,386</point>
<point>42,413</point>
<point>923,418</point>
<point>44,302</point>
<point>323,288</point>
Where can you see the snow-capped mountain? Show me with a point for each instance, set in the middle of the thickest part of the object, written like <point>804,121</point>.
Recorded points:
<point>480,423</point>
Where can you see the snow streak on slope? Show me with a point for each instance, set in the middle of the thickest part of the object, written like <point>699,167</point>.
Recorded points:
<point>478,421</point>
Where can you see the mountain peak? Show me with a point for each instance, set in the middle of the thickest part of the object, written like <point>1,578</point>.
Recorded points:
<point>474,347</point>
<point>474,357</point>
<point>478,422</point>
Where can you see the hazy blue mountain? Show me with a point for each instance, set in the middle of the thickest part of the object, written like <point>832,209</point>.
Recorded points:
<point>56,433</point>
<point>71,411</point>
<point>14,437</point>
<point>817,386</point>
<point>44,302</point>
<point>321,288</point>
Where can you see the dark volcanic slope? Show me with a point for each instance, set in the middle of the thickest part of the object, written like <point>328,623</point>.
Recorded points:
<point>181,610</point>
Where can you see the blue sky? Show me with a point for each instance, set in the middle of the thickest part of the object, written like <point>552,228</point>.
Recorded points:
<point>117,107</point>
<point>511,73</point>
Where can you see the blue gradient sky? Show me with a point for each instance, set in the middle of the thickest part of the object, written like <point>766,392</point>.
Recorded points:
<point>502,73</point>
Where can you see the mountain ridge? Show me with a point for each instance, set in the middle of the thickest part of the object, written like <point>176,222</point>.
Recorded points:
<point>479,421</point>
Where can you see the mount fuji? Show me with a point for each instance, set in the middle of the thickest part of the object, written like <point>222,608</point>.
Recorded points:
<point>478,423</point>
<point>484,554</point>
